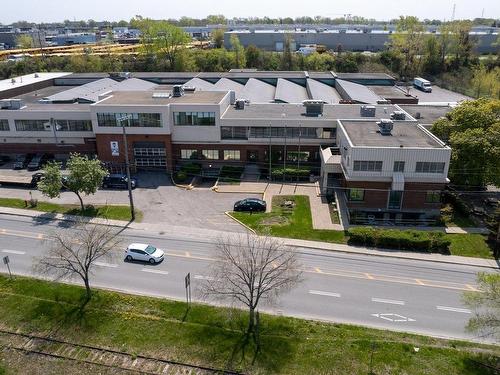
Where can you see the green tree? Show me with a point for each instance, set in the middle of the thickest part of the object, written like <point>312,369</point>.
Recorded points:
<point>161,39</point>
<point>216,19</point>
<point>287,60</point>
<point>218,38</point>
<point>239,52</point>
<point>473,132</point>
<point>486,82</point>
<point>25,41</point>
<point>85,177</point>
<point>253,57</point>
<point>432,57</point>
<point>408,41</point>
<point>486,305</point>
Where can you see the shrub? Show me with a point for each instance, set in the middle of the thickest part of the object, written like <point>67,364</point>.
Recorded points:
<point>231,172</point>
<point>302,172</point>
<point>180,176</point>
<point>191,169</point>
<point>412,240</point>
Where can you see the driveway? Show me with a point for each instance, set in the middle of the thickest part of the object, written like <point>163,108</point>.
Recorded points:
<point>160,201</point>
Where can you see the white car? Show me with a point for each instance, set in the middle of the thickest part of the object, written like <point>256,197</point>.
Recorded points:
<point>144,252</point>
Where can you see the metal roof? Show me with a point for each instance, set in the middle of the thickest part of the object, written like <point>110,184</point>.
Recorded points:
<point>258,92</point>
<point>229,84</point>
<point>200,84</point>
<point>356,92</point>
<point>89,92</point>
<point>321,91</point>
<point>289,92</point>
<point>28,79</point>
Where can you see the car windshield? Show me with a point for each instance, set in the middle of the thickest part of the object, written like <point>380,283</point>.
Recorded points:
<point>150,249</point>
<point>427,84</point>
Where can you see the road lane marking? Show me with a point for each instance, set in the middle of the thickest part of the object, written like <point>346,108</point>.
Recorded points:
<point>318,270</point>
<point>394,317</point>
<point>159,272</point>
<point>321,293</point>
<point>454,309</point>
<point>470,287</point>
<point>103,264</point>
<point>368,276</point>
<point>419,282</point>
<point>201,277</point>
<point>390,301</point>
<point>188,255</point>
<point>13,252</point>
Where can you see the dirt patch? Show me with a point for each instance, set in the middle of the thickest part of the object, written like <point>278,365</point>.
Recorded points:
<point>275,220</point>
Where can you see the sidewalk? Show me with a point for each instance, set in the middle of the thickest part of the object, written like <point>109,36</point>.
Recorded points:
<point>204,234</point>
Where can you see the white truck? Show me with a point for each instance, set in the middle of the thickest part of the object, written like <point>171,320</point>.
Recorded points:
<point>422,84</point>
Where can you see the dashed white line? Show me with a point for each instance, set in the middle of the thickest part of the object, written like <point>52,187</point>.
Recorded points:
<point>159,272</point>
<point>13,252</point>
<point>390,301</point>
<point>321,293</point>
<point>102,264</point>
<point>454,309</point>
<point>201,277</point>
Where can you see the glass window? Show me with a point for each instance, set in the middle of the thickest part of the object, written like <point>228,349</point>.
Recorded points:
<point>356,195</point>
<point>135,120</point>
<point>395,199</point>
<point>367,166</point>
<point>296,156</point>
<point>73,125</point>
<point>210,154</point>
<point>4,125</point>
<point>233,132</point>
<point>194,118</point>
<point>429,167</point>
<point>399,166</point>
<point>433,197</point>
<point>32,125</point>
<point>189,154</point>
<point>232,155</point>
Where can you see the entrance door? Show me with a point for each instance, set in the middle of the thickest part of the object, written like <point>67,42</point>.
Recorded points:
<point>395,199</point>
<point>252,156</point>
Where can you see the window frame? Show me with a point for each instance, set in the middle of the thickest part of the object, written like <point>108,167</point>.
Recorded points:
<point>358,196</point>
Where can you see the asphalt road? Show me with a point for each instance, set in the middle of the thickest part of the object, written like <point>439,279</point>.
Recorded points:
<point>397,294</point>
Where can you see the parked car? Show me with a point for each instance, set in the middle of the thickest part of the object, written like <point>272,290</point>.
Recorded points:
<point>118,181</point>
<point>4,159</point>
<point>250,205</point>
<point>38,161</point>
<point>422,84</point>
<point>22,161</point>
<point>144,253</point>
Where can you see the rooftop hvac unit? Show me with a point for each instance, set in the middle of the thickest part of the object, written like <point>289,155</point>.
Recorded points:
<point>383,101</point>
<point>398,115</point>
<point>11,104</point>
<point>367,111</point>
<point>240,104</point>
<point>313,107</point>
<point>385,126</point>
<point>177,91</point>
<point>189,88</point>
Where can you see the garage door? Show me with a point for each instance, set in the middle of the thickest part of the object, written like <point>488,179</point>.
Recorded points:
<point>150,155</point>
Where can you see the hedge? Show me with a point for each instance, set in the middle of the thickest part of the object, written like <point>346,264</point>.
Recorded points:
<point>231,172</point>
<point>413,240</point>
<point>290,172</point>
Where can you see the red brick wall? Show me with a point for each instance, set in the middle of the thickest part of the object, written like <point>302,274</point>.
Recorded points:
<point>104,147</point>
<point>89,147</point>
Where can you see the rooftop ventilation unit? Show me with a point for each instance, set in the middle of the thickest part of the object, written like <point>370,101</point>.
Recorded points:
<point>367,111</point>
<point>313,107</point>
<point>398,115</point>
<point>161,95</point>
<point>383,101</point>
<point>177,91</point>
<point>385,126</point>
<point>240,104</point>
<point>11,104</point>
<point>189,88</point>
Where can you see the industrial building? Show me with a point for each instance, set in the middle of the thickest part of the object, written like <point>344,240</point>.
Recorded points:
<point>323,120</point>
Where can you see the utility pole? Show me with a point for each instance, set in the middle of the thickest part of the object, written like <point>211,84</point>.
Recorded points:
<point>270,153</point>
<point>283,115</point>
<point>127,164</point>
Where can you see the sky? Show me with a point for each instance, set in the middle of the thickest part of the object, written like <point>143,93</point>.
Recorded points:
<point>114,10</point>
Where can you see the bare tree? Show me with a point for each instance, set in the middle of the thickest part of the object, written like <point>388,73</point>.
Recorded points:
<point>250,269</point>
<point>74,252</point>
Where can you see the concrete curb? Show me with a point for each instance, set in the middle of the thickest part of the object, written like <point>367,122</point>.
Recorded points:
<point>395,256</point>
<point>185,187</point>
<point>239,222</point>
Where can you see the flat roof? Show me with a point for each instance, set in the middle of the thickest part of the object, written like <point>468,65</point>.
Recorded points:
<point>146,98</point>
<point>264,111</point>
<point>404,133</point>
<point>389,92</point>
<point>348,76</point>
<point>428,114</point>
<point>28,79</point>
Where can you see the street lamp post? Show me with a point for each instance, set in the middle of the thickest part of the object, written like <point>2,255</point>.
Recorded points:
<point>283,115</point>
<point>127,164</point>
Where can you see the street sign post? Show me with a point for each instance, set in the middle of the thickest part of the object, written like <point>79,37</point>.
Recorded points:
<point>6,261</point>
<point>187,284</point>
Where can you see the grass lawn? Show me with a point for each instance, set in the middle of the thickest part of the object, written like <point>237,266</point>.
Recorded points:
<point>470,245</point>
<point>451,217</point>
<point>105,212</point>
<point>297,223</point>
<point>292,223</point>
<point>212,336</point>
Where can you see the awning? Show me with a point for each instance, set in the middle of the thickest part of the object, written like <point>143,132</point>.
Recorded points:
<point>398,181</point>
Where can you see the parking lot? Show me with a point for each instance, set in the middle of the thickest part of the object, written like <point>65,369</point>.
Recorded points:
<point>160,201</point>
<point>438,95</point>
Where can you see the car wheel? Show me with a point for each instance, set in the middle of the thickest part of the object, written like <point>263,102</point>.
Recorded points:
<point>152,261</point>
<point>129,258</point>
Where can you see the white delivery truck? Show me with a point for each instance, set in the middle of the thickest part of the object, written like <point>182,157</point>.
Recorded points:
<point>422,84</point>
